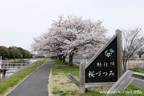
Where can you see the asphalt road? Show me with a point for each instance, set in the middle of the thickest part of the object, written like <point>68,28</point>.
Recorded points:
<point>36,84</point>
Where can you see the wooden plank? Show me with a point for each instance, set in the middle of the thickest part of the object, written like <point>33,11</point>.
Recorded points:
<point>82,78</point>
<point>73,80</point>
<point>119,52</point>
<point>124,81</point>
<point>99,85</point>
<point>138,73</point>
<point>138,82</point>
<point>125,84</point>
<point>124,78</point>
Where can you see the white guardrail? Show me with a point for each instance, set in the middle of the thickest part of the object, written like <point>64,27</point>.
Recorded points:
<point>13,65</point>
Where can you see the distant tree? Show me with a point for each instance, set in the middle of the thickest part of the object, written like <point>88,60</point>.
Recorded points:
<point>140,53</point>
<point>27,54</point>
<point>4,52</point>
<point>15,53</point>
<point>21,50</point>
<point>133,42</point>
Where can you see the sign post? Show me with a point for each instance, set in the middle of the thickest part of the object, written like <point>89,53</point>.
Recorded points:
<point>82,77</point>
<point>119,52</point>
<point>0,61</point>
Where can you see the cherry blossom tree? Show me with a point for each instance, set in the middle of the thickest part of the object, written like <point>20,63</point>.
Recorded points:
<point>71,35</point>
<point>46,44</point>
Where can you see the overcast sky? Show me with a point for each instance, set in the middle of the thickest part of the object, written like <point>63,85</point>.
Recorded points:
<point>21,20</point>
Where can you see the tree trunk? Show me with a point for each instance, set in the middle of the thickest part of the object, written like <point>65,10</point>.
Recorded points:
<point>54,57</point>
<point>71,59</point>
<point>60,57</point>
<point>64,59</point>
<point>125,65</point>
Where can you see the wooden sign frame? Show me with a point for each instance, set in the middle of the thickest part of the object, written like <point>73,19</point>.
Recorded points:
<point>119,62</point>
<point>82,85</point>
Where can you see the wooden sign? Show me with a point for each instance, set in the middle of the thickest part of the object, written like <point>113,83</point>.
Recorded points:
<point>105,66</point>
<point>104,69</point>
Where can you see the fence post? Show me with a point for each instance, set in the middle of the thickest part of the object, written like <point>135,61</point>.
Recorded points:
<point>0,61</point>
<point>0,75</point>
<point>4,74</point>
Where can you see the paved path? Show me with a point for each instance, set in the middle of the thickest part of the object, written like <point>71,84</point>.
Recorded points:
<point>36,84</point>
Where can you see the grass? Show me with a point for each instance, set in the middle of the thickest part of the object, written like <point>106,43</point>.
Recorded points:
<point>138,70</point>
<point>60,85</point>
<point>57,62</point>
<point>15,79</point>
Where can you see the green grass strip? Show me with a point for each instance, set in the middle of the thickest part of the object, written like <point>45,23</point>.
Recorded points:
<point>74,70</point>
<point>15,79</point>
<point>58,62</point>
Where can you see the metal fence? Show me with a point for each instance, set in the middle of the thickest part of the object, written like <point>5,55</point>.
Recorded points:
<point>78,61</point>
<point>135,64</point>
